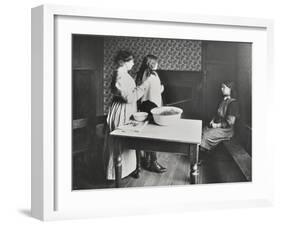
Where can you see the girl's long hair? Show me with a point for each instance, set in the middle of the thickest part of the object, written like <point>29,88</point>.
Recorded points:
<point>147,66</point>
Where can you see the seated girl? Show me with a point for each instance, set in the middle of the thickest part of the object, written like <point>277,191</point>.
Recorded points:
<point>221,127</point>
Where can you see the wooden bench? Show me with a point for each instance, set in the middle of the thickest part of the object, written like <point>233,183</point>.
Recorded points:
<point>240,156</point>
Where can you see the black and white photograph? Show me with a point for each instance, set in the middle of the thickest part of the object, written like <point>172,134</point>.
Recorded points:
<point>140,112</point>
<point>160,112</point>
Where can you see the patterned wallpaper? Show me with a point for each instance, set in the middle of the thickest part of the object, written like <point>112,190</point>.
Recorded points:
<point>181,55</point>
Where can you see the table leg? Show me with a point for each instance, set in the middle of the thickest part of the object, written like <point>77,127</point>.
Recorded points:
<point>118,163</point>
<point>194,170</point>
<point>138,170</point>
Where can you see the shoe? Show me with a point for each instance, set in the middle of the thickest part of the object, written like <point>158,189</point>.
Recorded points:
<point>145,161</point>
<point>155,167</point>
<point>162,167</point>
<point>135,174</point>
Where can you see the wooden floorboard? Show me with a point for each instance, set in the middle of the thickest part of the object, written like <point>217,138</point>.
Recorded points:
<point>219,168</point>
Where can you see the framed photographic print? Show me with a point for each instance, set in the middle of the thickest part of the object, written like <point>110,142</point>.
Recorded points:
<point>134,112</point>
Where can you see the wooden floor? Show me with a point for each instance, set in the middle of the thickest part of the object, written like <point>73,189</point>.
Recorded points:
<point>219,168</point>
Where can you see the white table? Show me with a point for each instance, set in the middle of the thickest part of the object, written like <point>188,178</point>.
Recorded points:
<point>182,137</point>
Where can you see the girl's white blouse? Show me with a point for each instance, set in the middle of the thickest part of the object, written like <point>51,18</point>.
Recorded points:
<point>154,89</point>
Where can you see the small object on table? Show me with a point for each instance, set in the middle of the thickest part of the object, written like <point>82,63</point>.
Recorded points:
<point>133,126</point>
<point>140,116</point>
<point>165,116</point>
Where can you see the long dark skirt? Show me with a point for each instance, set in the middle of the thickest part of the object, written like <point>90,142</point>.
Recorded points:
<point>211,137</point>
<point>118,115</point>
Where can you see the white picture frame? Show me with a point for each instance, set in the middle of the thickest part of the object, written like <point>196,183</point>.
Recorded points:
<point>52,197</point>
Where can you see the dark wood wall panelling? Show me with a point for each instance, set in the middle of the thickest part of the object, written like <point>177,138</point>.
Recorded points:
<point>183,89</point>
<point>88,54</point>
<point>87,101</point>
<point>244,90</point>
<point>228,61</point>
<point>219,64</point>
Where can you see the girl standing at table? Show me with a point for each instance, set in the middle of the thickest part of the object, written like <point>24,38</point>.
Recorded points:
<point>151,98</point>
<point>123,106</point>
